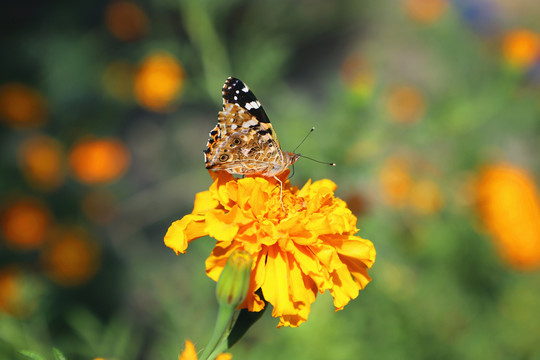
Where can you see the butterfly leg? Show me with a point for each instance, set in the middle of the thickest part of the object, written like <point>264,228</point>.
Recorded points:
<point>280,192</point>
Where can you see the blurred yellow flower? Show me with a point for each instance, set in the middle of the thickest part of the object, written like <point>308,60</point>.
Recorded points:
<point>308,247</point>
<point>22,106</point>
<point>71,258</point>
<point>95,161</point>
<point>521,48</point>
<point>159,81</point>
<point>189,353</point>
<point>405,104</point>
<point>425,11</point>
<point>25,223</point>
<point>126,20</point>
<point>42,160</point>
<point>509,206</point>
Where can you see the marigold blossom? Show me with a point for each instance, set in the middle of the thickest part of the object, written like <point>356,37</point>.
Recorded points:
<point>509,205</point>
<point>308,247</point>
<point>159,81</point>
<point>96,161</point>
<point>521,48</point>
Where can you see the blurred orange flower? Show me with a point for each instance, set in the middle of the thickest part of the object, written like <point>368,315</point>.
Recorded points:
<point>22,106</point>
<point>425,11</point>
<point>159,81</point>
<point>71,258</point>
<point>509,206</point>
<point>18,296</point>
<point>308,247</point>
<point>405,104</point>
<point>521,48</point>
<point>396,181</point>
<point>41,158</point>
<point>25,223</point>
<point>126,20</point>
<point>95,161</point>
<point>400,189</point>
<point>190,353</point>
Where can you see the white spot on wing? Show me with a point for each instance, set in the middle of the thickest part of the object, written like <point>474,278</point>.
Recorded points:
<point>254,104</point>
<point>245,89</point>
<point>234,126</point>
<point>249,123</point>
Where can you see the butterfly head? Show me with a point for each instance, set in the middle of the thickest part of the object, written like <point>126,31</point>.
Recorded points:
<point>291,157</point>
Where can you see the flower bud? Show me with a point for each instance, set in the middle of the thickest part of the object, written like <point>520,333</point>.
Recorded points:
<point>233,284</point>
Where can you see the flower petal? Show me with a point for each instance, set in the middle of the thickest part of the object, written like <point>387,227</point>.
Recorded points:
<point>220,188</point>
<point>276,286</point>
<point>217,260</point>
<point>189,352</point>
<point>224,356</point>
<point>345,288</point>
<point>253,302</point>
<point>223,226</point>
<point>204,201</point>
<point>183,231</point>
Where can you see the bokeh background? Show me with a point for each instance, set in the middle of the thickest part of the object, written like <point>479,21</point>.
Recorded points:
<point>430,108</point>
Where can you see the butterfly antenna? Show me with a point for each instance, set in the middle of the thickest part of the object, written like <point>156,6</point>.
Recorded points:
<point>290,177</point>
<point>317,161</point>
<point>305,137</point>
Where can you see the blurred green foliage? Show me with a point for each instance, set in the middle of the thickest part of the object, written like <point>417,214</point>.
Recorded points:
<point>377,80</point>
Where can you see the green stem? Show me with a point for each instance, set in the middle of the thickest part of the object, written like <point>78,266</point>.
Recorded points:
<point>201,31</point>
<point>218,343</point>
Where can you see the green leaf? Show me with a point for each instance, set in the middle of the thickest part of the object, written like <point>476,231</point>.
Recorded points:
<point>58,354</point>
<point>31,355</point>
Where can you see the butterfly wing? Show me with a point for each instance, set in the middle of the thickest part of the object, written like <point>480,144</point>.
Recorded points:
<point>243,141</point>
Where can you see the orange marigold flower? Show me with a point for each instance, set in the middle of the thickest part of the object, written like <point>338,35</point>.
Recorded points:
<point>396,181</point>
<point>42,160</point>
<point>19,292</point>
<point>21,106</point>
<point>190,353</point>
<point>97,161</point>
<point>509,206</point>
<point>24,224</point>
<point>309,247</point>
<point>126,20</point>
<point>521,48</point>
<point>159,82</point>
<point>405,105</point>
<point>71,257</point>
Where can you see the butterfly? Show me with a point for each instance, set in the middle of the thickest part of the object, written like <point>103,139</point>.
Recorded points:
<point>243,141</point>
